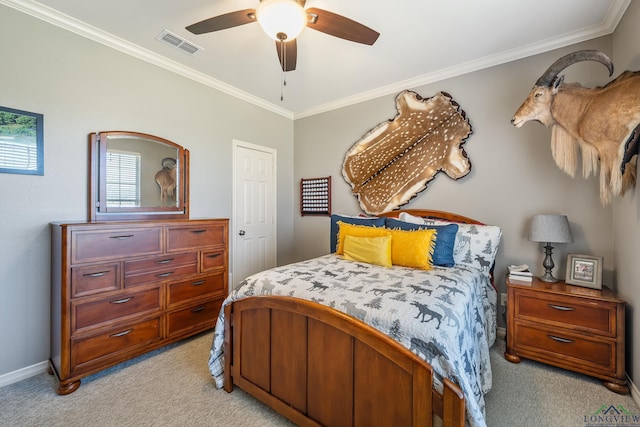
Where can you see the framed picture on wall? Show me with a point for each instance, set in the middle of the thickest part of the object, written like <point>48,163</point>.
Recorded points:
<point>584,270</point>
<point>21,142</point>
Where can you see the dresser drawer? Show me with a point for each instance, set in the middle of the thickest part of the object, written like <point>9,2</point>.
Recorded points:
<point>200,317</point>
<point>214,260</point>
<point>94,279</point>
<point>90,246</point>
<point>180,238</point>
<point>160,262</point>
<point>567,347</point>
<point>94,312</point>
<point>116,340</point>
<point>597,318</point>
<point>160,275</point>
<point>196,288</point>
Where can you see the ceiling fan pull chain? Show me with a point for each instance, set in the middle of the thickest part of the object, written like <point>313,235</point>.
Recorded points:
<point>283,55</point>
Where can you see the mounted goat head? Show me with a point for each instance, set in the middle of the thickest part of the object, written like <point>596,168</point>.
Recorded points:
<point>603,122</point>
<point>166,179</point>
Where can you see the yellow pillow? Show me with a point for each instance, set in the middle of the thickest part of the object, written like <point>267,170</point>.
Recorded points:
<point>413,248</point>
<point>346,229</point>
<point>372,250</point>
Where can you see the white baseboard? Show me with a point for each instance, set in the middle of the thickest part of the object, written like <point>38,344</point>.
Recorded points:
<point>24,373</point>
<point>635,393</point>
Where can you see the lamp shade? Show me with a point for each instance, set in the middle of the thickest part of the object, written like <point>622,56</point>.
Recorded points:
<point>550,228</point>
<point>281,19</point>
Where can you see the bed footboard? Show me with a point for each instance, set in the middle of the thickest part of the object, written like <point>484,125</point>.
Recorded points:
<point>317,366</point>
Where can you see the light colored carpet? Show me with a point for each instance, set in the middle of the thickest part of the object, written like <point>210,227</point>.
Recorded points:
<point>534,394</point>
<point>172,387</point>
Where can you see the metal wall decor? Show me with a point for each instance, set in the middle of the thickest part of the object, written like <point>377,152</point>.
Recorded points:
<point>315,196</point>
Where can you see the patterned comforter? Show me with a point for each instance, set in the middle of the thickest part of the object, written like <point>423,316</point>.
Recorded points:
<point>446,315</point>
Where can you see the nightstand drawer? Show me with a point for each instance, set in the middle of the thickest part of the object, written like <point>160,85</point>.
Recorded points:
<point>597,318</point>
<point>568,347</point>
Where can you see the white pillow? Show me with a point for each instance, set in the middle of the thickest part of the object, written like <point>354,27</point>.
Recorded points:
<point>411,218</point>
<point>476,245</point>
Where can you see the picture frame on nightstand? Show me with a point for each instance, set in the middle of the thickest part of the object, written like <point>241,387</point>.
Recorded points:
<point>584,270</point>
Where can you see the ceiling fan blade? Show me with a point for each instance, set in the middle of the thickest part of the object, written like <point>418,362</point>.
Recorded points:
<point>222,22</point>
<point>287,51</point>
<point>339,26</point>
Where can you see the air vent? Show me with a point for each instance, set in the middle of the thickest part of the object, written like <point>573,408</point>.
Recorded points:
<point>178,42</point>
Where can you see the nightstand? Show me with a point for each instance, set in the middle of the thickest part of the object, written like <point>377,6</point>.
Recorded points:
<point>571,327</point>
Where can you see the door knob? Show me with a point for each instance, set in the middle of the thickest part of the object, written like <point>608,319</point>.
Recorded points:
<point>241,232</point>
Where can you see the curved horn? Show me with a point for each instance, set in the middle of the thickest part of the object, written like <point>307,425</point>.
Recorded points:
<point>582,55</point>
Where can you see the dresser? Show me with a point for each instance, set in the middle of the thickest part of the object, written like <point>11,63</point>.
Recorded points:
<point>121,289</point>
<point>571,327</point>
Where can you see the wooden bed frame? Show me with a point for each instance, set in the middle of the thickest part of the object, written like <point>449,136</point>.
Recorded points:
<point>320,367</point>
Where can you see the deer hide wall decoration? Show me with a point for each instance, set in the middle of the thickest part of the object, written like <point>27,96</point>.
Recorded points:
<point>396,160</point>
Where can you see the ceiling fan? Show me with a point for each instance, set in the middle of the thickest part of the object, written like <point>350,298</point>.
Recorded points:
<point>283,20</point>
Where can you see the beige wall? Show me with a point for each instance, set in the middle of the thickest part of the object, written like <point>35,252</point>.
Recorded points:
<point>81,86</point>
<point>626,210</point>
<point>513,175</point>
<point>512,178</point>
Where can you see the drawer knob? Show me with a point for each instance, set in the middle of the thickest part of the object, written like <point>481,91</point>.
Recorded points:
<point>198,231</point>
<point>121,334</point>
<point>561,308</point>
<point>558,339</point>
<point>213,255</point>
<point>164,261</point>
<point>197,309</point>
<point>121,301</point>
<point>199,282</point>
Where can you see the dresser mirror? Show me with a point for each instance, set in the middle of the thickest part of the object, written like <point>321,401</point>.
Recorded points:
<point>137,176</point>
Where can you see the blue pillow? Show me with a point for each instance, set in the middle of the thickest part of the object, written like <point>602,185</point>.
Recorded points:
<point>445,239</point>
<point>360,220</point>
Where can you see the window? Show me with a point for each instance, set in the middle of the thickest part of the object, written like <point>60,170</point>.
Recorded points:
<point>21,142</point>
<point>18,154</point>
<point>123,179</point>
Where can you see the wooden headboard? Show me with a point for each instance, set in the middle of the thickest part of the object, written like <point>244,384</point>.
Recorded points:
<point>427,213</point>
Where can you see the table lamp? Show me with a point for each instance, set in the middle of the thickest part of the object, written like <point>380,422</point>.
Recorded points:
<point>550,229</point>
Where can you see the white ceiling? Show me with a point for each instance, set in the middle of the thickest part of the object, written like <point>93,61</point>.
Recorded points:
<point>421,41</point>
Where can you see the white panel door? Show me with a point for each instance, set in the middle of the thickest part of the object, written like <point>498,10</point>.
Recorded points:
<point>254,225</point>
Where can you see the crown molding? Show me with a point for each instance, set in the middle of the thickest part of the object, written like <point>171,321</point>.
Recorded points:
<point>606,27</point>
<point>45,13</point>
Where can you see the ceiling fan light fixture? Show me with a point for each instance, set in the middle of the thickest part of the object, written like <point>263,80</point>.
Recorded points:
<point>282,20</point>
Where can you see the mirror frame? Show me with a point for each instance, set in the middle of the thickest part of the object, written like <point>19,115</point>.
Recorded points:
<point>98,210</point>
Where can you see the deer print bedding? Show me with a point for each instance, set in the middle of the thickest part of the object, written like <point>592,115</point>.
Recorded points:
<point>446,315</point>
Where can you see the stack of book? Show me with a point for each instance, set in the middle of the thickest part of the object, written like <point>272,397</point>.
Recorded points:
<point>520,272</point>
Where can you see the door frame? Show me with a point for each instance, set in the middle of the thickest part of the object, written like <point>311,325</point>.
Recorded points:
<point>236,143</point>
